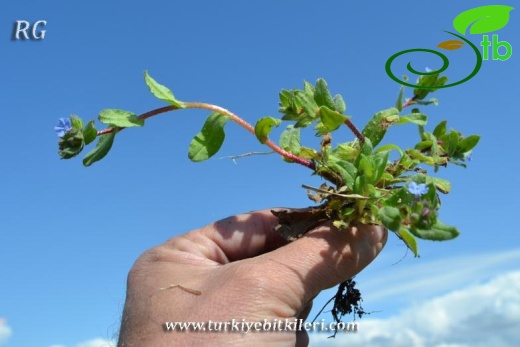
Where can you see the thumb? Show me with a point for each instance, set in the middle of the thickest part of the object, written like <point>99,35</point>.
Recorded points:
<point>324,258</point>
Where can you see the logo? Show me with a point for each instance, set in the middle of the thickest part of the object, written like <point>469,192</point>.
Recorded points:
<point>480,21</point>
<point>35,33</point>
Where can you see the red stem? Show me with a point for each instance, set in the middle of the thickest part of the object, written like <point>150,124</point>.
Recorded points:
<point>409,102</point>
<point>232,116</point>
<point>356,132</point>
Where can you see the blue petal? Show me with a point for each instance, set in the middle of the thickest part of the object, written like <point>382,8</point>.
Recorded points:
<point>422,189</point>
<point>62,127</point>
<point>412,188</point>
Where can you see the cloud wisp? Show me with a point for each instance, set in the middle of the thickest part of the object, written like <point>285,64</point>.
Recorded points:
<point>486,314</point>
<point>5,331</point>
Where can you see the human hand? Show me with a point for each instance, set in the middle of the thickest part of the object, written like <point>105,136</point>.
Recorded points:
<point>242,272</point>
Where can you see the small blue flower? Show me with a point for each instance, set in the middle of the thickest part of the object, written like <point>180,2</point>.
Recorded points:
<point>62,127</point>
<point>417,189</point>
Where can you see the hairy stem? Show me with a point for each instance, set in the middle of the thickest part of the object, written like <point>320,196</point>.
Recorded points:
<point>356,132</point>
<point>410,101</point>
<point>143,116</point>
<point>232,116</point>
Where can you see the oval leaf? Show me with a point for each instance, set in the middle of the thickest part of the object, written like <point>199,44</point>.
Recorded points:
<point>409,240</point>
<point>76,122</point>
<point>376,128</point>
<point>341,107</point>
<point>307,103</point>
<point>100,151</point>
<point>416,118</point>
<point>451,45</point>
<point>209,140</point>
<point>120,118</point>
<point>330,121</point>
<point>438,232</point>
<point>160,91</point>
<point>390,217</point>
<point>322,95</point>
<point>264,126</point>
<point>468,143</point>
<point>290,140</point>
<point>482,19</point>
<point>89,132</point>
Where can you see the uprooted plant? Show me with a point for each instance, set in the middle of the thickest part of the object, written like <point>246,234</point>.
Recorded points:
<point>362,183</point>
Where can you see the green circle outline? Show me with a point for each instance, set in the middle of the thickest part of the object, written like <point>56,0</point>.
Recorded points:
<point>443,68</point>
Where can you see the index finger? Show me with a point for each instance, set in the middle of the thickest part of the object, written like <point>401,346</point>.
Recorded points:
<point>234,238</point>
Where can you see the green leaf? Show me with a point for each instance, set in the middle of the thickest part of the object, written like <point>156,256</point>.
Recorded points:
<point>428,84</point>
<point>102,148</point>
<point>376,128</point>
<point>161,92</point>
<point>264,126</point>
<point>290,140</point>
<point>307,103</point>
<point>341,107</point>
<point>308,88</point>
<point>416,118</point>
<point>347,170</point>
<point>440,82</point>
<point>390,217</point>
<point>409,240</point>
<point>414,154</point>
<point>399,197</point>
<point>76,122</point>
<point>322,95</point>
<point>399,102</point>
<point>89,132</point>
<point>308,153</point>
<point>453,142</point>
<point>303,121</point>
<point>379,161</point>
<point>440,129</point>
<point>468,143</point>
<point>389,147</point>
<point>438,232</point>
<point>432,101</point>
<point>345,152</point>
<point>209,140</point>
<point>439,183</point>
<point>482,19</point>
<point>71,144</point>
<point>120,118</point>
<point>330,121</point>
<point>366,168</point>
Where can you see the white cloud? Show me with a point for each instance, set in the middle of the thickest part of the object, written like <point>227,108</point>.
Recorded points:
<point>99,342</point>
<point>5,331</point>
<point>423,280</point>
<point>480,315</point>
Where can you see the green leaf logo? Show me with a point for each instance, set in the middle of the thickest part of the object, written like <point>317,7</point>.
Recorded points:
<point>482,19</point>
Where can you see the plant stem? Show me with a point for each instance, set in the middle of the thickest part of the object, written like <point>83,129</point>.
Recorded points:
<point>409,102</point>
<point>249,127</point>
<point>143,116</point>
<point>232,116</point>
<point>356,132</point>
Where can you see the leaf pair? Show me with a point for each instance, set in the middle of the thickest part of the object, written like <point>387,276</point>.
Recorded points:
<point>120,119</point>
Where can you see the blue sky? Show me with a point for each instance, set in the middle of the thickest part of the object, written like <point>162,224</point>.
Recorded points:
<point>69,234</point>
